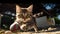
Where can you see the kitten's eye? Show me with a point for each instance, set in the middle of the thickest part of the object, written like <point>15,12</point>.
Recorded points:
<point>28,15</point>
<point>20,16</point>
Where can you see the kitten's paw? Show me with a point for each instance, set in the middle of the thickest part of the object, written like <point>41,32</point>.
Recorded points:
<point>36,31</point>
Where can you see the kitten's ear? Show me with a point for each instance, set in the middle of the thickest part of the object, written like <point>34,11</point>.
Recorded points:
<point>30,8</point>
<point>18,8</point>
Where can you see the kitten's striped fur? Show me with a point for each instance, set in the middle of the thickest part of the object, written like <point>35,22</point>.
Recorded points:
<point>25,19</point>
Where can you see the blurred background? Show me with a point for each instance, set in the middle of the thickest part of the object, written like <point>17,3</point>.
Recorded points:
<point>50,8</point>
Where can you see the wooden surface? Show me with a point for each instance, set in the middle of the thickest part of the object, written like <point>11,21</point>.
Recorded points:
<point>49,31</point>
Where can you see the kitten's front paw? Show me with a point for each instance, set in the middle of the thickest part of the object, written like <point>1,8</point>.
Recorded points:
<point>36,31</point>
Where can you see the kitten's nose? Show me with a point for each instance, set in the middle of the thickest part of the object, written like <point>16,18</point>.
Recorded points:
<point>24,16</point>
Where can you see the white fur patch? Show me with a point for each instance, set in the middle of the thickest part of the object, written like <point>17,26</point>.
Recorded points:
<point>22,26</point>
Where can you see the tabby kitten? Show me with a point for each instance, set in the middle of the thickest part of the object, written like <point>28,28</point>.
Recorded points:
<point>25,20</point>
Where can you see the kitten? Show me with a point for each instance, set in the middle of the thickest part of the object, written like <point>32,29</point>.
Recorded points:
<point>24,19</point>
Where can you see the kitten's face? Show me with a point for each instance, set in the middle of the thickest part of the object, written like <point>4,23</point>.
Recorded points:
<point>24,14</point>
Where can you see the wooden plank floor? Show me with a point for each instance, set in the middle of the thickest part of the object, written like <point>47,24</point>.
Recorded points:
<point>49,31</point>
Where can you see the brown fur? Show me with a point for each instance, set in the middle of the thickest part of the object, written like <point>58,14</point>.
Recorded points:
<point>26,17</point>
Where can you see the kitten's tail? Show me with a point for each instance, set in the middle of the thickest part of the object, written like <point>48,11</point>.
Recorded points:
<point>38,14</point>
